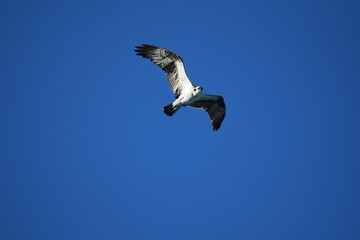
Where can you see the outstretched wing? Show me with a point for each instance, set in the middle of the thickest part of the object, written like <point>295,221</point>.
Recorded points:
<point>214,106</point>
<point>172,65</point>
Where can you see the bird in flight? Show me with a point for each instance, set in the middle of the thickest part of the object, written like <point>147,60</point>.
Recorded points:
<point>186,93</point>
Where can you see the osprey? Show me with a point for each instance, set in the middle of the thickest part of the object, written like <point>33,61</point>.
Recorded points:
<point>186,94</point>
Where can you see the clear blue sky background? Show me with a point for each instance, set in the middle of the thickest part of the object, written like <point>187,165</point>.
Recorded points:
<point>87,153</point>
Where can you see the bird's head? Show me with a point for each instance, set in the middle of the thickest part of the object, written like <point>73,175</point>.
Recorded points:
<point>197,90</point>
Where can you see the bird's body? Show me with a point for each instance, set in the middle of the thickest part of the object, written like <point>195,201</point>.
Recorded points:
<point>186,94</point>
<point>187,98</point>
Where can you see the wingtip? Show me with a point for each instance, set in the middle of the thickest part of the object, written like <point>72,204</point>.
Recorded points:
<point>143,49</point>
<point>143,46</point>
<point>216,124</point>
<point>215,128</point>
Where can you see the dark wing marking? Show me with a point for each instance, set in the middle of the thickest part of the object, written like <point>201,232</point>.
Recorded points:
<point>172,65</point>
<point>214,106</point>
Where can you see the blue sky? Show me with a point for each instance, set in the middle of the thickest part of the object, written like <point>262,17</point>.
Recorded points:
<point>87,153</point>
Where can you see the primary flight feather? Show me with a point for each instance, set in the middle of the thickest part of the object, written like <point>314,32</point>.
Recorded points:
<point>186,93</point>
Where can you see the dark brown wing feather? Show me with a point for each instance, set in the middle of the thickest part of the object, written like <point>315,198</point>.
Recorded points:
<point>214,106</point>
<point>172,65</point>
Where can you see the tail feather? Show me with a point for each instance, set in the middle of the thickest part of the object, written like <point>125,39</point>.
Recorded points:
<point>170,109</point>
